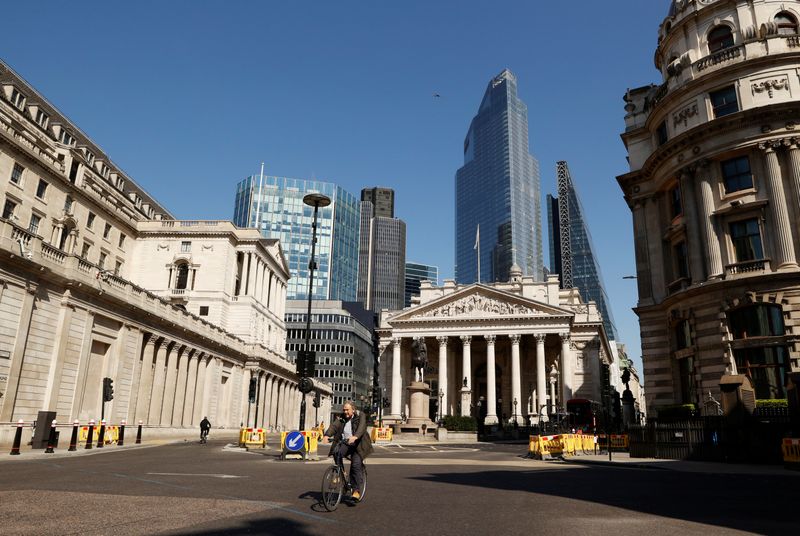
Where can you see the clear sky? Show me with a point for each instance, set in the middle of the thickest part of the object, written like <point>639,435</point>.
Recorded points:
<point>189,97</point>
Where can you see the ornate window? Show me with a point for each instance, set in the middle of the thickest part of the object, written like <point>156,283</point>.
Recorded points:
<point>182,276</point>
<point>759,355</point>
<point>736,174</point>
<point>746,238</point>
<point>786,23</point>
<point>719,37</point>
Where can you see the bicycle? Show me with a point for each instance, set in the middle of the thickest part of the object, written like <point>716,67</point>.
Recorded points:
<point>336,481</point>
<point>204,436</point>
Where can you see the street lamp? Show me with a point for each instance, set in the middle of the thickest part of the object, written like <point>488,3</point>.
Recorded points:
<point>516,424</point>
<point>441,412</point>
<point>317,201</point>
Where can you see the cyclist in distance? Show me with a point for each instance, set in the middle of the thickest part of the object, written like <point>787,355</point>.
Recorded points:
<point>205,426</point>
<point>356,443</point>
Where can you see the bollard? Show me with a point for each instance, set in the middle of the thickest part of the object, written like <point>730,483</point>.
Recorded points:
<point>17,438</point>
<point>90,435</point>
<point>139,433</point>
<point>101,434</point>
<point>51,439</point>
<point>121,440</point>
<point>73,441</point>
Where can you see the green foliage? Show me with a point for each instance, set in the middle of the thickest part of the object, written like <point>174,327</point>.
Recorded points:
<point>677,412</point>
<point>455,423</point>
<point>777,403</point>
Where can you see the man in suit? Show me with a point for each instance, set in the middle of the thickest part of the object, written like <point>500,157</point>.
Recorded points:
<point>352,429</point>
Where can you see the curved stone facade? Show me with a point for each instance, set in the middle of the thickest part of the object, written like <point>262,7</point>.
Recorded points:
<point>714,188</point>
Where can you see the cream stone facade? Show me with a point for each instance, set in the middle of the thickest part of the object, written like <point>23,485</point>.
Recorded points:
<point>490,346</point>
<point>95,282</point>
<point>714,189</point>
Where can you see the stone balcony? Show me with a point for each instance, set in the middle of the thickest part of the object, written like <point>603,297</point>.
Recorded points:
<point>748,268</point>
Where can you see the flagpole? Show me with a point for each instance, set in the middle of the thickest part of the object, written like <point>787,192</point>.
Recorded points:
<point>478,244</point>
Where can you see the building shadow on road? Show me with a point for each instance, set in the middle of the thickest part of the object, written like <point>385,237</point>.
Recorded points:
<point>278,526</point>
<point>755,503</point>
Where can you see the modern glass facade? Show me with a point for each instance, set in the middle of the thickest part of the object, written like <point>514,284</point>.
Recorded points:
<point>417,273</point>
<point>571,251</point>
<point>498,189</point>
<point>274,205</point>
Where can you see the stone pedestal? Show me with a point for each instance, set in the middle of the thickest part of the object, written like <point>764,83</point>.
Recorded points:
<point>419,394</point>
<point>466,401</point>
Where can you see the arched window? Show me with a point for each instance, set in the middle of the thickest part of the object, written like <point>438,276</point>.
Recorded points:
<point>65,232</point>
<point>719,38</point>
<point>758,354</point>
<point>182,277</point>
<point>786,23</point>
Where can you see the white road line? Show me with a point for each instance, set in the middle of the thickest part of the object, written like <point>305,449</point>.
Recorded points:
<point>198,474</point>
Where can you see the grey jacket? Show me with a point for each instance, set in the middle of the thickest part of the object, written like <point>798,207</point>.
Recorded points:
<point>359,424</point>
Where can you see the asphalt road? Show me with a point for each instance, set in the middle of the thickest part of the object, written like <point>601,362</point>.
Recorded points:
<point>198,489</point>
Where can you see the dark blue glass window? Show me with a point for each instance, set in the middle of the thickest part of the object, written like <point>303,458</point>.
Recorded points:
<point>736,174</point>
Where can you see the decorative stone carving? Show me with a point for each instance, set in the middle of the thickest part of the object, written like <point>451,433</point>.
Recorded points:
<point>770,86</point>
<point>477,305</point>
<point>684,115</point>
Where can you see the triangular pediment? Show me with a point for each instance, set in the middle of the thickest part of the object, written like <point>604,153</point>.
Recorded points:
<point>479,302</point>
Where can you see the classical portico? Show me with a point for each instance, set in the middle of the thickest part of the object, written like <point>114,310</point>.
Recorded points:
<point>493,350</point>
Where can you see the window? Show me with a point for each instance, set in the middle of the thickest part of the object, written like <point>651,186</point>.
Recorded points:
<point>686,371</point>
<point>118,268</point>
<point>736,174</point>
<point>107,230</point>
<point>41,189</point>
<point>90,220</point>
<point>8,209</point>
<point>102,261</point>
<point>16,174</point>
<point>186,247</point>
<point>121,240</point>
<point>786,23</point>
<point>724,101</point>
<point>182,277</point>
<point>746,238</point>
<point>676,206</point>
<point>683,335</point>
<point>766,365</point>
<point>85,250</point>
<point>42,118</point>
<point>204,310</point>
<point>89,156</point>
<point>66,138</point>
<point>681,260</point>
<point>17,98</point>
<point>68,202</point>
<point>33,227</point>
<point>661,133</point>
<point>719,38</point>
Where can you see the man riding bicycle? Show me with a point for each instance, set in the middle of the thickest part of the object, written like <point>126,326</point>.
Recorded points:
<point>355,442</point>
<point>205,426</point>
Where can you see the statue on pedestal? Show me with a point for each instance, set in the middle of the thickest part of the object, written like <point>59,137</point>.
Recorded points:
<point>419,359</point>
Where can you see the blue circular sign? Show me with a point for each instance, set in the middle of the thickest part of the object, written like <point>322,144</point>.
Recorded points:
<point>295,441</point>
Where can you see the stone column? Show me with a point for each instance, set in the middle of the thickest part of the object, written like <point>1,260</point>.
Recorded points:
<point>200,390</point>
<point>466,368</point>
<point>181,388</point>
<point>516,379</point>
<point>170,384</point>
<point>794,160</point>
<point>397,380</point>
<point>541,376</point>
<point>268,421</point>
<point>566,368</point>
<point>262,400</point>
<point>491,382</point>
<point>707,227</point>
<point>146,380</point>
<point>689,200</point>
<point>157,396</point>
<point>443,394</point>
<point>136,372</point>
<point>779,213</point>
<point>191,387</point>
<point>273,412</point>
<point>9,400</point>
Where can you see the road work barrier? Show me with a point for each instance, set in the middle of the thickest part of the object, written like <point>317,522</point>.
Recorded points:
<point>791,452</point>
<point>548,447</point>
<point>111,434</point>
<point>252,437</point>
<point>300,445</point>
<point>381,434</point>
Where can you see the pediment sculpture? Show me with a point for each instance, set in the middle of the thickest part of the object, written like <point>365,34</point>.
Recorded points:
<point>476,305</point>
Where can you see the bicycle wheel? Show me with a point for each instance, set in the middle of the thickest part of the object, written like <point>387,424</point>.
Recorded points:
<point>332,487</point>
<point>364,486</point>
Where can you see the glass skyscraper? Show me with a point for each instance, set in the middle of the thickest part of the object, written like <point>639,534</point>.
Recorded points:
<point>571,251</point>
<point>416,273</point>
<point>274,205</point>
<point>498,189</point>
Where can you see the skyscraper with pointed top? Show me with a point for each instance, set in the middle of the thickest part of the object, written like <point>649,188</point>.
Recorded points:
<point>498,188</point>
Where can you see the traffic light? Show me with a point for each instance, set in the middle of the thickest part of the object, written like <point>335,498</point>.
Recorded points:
<point>108,389</point>
<point>317,400</point>
<point>252,391</point>
<point>306,362</point>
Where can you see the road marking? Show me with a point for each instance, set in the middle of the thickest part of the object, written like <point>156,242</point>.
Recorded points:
<point>199,474</point>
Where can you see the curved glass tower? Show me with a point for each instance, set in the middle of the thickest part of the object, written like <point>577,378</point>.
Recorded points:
<point>498,189</point>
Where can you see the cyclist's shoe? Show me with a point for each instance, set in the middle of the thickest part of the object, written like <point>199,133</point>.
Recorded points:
<point>356,495</point>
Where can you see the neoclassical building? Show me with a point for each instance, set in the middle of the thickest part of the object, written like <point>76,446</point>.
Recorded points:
<point>714,189</point>
<point>501,352</point>
<point>98,280</point>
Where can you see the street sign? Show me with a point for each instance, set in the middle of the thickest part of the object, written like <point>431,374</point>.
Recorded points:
<point>295,441</point>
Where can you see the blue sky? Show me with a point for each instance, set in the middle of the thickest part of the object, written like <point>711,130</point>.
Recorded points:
<point>189,97</point>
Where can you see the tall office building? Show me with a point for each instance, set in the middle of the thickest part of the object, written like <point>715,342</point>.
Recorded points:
<point>498,191</point>
<point>274,205</point>
<point>382,252</point>
<point>571,251</point>
<point>416,273</point>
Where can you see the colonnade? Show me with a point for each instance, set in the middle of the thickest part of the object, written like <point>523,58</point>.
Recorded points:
<point>277,404</point>
<point>259,281</point>
<point>444,361</point>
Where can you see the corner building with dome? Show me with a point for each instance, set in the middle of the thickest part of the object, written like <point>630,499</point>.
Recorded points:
<point>714,190</point>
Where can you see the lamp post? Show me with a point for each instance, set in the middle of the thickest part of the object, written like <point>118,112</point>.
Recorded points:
<point>441,413</point>
<point>317,201</point>
<point>516,424</point>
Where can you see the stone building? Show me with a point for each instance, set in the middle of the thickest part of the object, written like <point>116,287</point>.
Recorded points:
<point>98,280</point>
<point>713,186</point>
<point>511,351</point>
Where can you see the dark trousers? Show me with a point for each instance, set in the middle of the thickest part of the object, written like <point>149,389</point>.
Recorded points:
<point>356,465</point>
